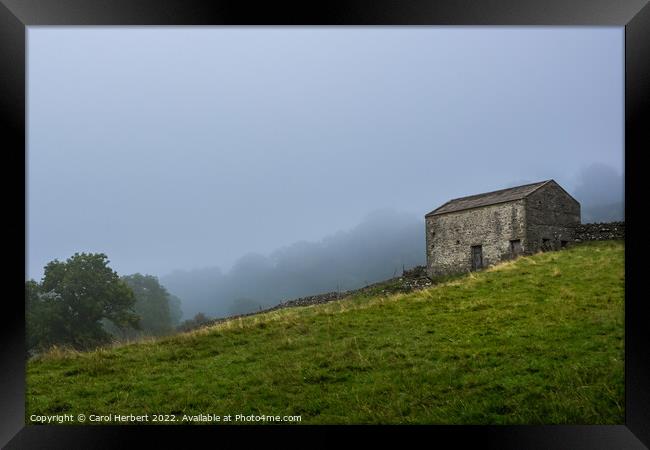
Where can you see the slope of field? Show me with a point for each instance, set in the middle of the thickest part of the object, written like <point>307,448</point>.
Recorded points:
<point>536,340</point>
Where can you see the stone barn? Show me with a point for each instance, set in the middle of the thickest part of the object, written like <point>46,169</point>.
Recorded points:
<point>473,232</point>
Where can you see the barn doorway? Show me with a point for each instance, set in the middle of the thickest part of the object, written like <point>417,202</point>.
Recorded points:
<point>477,257</point>
<point>515,248</point>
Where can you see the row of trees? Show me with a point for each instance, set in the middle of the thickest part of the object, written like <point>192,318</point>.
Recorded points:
<point>83,303</point>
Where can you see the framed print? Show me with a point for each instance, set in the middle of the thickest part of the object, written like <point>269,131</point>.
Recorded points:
<point>377,217</point>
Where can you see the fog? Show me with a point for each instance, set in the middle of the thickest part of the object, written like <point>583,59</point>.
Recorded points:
<point>378,248</point>
<point>600,190</point>
<point>261,163</point>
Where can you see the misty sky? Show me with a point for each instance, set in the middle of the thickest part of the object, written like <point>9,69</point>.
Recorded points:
<point>178,148</point>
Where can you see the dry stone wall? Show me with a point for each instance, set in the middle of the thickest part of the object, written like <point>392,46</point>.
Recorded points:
<point>599,231</point>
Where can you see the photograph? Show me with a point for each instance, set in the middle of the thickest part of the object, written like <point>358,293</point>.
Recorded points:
<point>272,225</point>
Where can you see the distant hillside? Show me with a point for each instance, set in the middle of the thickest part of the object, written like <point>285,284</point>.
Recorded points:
<point>377,248</point>
<point>536,340</point>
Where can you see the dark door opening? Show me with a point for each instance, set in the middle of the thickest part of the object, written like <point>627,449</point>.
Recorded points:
<point>515,247</point>
<point>477,257</point>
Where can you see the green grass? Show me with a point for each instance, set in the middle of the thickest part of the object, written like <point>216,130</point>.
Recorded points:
<point>536,340</point>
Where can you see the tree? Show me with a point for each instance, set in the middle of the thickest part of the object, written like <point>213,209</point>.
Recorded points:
<point>175,311</point>
<point>196,322</point>
<point>38,317</point>
<point>73,299</point>
<point>152,304</point>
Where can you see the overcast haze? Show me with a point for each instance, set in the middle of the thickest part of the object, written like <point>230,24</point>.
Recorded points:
<point>183,148</point>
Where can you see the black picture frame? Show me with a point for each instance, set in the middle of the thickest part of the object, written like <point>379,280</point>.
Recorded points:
<point>16,15</point>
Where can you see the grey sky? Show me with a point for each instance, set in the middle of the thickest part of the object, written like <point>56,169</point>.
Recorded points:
<point>175,148</point>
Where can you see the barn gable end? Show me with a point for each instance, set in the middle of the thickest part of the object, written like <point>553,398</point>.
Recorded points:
<point>552,215</point>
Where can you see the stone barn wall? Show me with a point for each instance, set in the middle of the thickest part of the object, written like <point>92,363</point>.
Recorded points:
<point>450,236</point>
<point>551,215</point>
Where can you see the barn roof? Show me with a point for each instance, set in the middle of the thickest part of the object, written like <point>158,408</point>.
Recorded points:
<point>488,198</point>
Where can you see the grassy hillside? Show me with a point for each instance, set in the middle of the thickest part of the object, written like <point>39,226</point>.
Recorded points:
<point>536,340</point>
